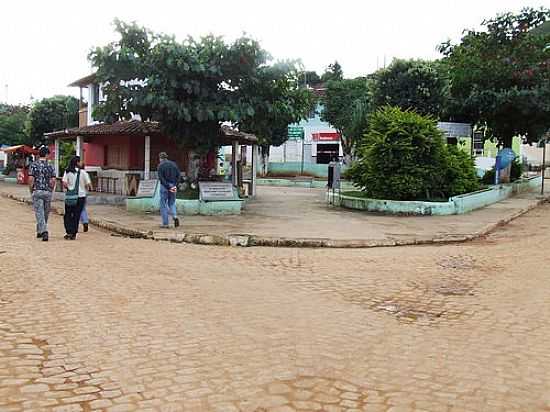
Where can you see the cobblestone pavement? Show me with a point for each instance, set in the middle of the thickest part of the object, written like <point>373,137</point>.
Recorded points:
<point>120,324</point>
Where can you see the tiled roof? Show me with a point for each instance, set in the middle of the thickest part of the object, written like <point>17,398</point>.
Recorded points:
<point>139,128</point>
<point>131,127</point>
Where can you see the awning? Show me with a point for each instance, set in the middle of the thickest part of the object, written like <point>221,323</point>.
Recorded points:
<point>20,148</point>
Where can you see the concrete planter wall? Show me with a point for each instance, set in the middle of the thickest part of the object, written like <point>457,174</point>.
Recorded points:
<point>295,169</point>
<point>455,205</point>
<point>309,183</point>
<point>185,206</point>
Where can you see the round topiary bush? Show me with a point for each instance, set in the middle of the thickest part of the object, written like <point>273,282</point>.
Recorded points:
<point>403,156</point>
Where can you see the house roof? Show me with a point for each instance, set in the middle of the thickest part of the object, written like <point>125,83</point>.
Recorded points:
<point>85,81</point>
<point>131,127</point>
<point>139,128</point>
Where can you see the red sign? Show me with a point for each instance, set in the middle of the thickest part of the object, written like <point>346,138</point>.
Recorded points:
<point>326,137</point>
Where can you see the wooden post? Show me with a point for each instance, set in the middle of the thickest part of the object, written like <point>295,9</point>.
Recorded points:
<point>56,158</point>
<point>79,146</point>
<point>147,171</point>
<point>254,169</point>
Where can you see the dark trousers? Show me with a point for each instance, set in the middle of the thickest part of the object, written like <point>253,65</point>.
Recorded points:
<point>72,216</point>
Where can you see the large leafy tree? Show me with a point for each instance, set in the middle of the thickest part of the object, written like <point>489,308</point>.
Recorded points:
<point>333,72</point>
<point>12,124</point>
<point>345,107</point>
<point>419,85</point>
<point>278,101</point>
<point>49,114</point>
<point>191,87</point>
<point>500,76</point>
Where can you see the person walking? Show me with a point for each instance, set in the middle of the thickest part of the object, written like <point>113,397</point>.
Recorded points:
<point>41,186</point>
<point>75,181</point>
<point>169,176</point>
<point>84,219</point>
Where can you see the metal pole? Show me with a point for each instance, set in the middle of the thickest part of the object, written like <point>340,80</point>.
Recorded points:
<point>543,166</point>
<point>302,168</point>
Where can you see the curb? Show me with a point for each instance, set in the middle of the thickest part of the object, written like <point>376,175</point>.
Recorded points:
<point>247,240</point>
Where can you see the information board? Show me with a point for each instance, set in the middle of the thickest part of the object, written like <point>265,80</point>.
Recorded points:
<point>147,188</point>
<point>216,191</point>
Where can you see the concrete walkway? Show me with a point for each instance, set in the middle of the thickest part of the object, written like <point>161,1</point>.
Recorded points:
<point>301,217</point>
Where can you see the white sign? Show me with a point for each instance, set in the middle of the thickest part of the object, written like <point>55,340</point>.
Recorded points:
<point>452,129</point>
<point>147,188</point>
<point>216,191</point>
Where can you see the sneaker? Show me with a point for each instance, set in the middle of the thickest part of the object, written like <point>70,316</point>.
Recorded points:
<point>39,235</point>
<point>85,227</point>
<point>176,222</point>
<point>164,227</point>
<point>45,237</point>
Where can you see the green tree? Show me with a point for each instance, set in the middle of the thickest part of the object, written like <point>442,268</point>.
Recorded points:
<point>340,96</point>
<point>333,72</point>
<point>49,114</point>
<point>500,76</point>
<point>279,100</point>
<point>191,87</point>
<point>419,85</point>
<point>310,78</point>
<point>12,124</point>
<point>403,157</point>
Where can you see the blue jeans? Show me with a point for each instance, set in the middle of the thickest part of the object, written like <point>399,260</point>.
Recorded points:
<point>167,205</point>
<point>84,216</point>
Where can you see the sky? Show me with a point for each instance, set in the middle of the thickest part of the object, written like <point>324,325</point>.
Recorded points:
<point>44,44</point>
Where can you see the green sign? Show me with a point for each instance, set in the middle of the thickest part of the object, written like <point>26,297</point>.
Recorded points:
<point>295,133</point>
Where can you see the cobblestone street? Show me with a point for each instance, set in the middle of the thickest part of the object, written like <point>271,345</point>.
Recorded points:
<point>118,324</point>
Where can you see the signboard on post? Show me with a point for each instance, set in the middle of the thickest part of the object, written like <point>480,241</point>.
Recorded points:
<point>147,188</point>
<point>211,191</point>
<point>455,130</point>
<point>295,133</point>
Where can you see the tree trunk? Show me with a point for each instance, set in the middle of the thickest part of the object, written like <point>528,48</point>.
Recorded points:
<point>507,141</point>
<point>265,160</point>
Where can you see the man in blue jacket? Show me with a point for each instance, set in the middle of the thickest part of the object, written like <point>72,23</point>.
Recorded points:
<point>169,176</point>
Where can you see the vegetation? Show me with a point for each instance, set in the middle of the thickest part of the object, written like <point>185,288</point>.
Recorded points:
<point>47,115</point>
<point>419,85</point>
<point>333,72</point>
<point>500,76</point>
<point>341,95</point>
<point>403,157</point>
<point>191,87</point>
<point>12,124</point>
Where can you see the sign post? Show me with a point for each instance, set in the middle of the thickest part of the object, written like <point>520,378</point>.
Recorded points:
<point>147,188</point>
<point>212,191</point>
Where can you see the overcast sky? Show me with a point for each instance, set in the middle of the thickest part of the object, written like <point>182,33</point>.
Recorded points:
<point>44,44</point>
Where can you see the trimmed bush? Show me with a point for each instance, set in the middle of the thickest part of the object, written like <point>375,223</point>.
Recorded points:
<point>403,156</point>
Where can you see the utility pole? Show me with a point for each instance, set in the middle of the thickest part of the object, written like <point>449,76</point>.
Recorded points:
<point>543,165</point>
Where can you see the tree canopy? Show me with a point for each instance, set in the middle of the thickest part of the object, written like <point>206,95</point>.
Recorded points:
<point>49,114</point>
<point>345,101</point>
<point>192,86</point>
<point>12,124</point>
<point>500,76</point>
<point>333,72</point>
<point>412,84</point>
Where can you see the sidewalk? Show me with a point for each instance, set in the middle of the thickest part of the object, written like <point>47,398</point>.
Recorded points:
<point>300,217</point>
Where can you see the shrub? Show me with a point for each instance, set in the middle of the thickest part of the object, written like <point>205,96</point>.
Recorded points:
<point>403,157</point>
<point>515,173</point>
